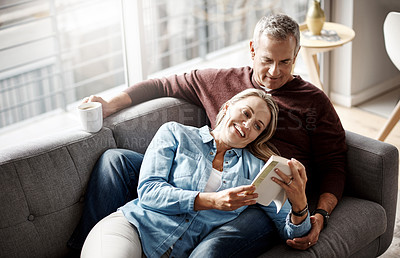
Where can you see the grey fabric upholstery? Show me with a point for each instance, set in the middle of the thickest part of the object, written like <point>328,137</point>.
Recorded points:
<point>42,184</point>
<point>135,127</point>
<point>373,175</point>
<point>362,224</point>
<point>354,224</point>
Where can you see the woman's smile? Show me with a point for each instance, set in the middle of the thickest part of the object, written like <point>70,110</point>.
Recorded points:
<point>239,130</point>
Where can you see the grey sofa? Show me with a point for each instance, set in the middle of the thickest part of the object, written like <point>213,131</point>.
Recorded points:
<point>42,185</point>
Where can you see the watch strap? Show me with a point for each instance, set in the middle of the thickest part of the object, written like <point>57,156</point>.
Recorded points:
<point>324,214</point>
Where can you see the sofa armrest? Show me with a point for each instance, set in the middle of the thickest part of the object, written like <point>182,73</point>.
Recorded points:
<point>42,183</point>
<point>362,224</point>
<point>134,127</point>
<point>373,175</point>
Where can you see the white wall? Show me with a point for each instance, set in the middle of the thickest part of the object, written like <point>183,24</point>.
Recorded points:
<point>361,70</point>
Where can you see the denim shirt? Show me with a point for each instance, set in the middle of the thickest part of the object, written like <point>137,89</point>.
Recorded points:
<point>176,167</point>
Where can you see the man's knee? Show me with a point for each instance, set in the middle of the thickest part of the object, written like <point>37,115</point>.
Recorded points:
<point>111,156</point>
<point>119,160</point>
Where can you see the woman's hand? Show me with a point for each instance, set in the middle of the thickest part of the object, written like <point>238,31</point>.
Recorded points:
<point>226,200</point>
<point>295,187</point>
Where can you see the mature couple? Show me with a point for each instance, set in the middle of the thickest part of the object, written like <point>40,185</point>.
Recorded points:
<point>215,223</point>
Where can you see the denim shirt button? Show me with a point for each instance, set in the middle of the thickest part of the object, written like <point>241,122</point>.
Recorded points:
<point>224,182</point>
<point>187,220</point>
<point>211,153</point>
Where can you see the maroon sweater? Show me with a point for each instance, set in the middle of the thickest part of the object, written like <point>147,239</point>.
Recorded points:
<point>309,129</point>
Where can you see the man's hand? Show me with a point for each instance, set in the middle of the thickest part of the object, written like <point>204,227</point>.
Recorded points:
<point>328,202</point>
<point>105,105</point>
<point>303,243</point>
<point>117,103</point>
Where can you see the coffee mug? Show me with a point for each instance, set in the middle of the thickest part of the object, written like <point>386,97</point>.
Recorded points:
<point>91,115</point>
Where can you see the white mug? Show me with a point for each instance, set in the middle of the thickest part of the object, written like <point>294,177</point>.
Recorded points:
<point>91,115</point>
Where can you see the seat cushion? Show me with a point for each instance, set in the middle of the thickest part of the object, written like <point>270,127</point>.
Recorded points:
<point>353,225</point>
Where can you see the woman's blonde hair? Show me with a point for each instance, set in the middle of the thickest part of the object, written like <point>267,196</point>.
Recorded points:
<point>260,147</point>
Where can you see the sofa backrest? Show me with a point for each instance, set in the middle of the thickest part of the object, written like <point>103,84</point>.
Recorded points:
<point>41,191</point>
<point>135,127</point>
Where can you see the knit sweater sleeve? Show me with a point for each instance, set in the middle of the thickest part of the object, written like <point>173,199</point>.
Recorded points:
<point>206,88</point>
<point>329,150</point>
<point>179,86</point>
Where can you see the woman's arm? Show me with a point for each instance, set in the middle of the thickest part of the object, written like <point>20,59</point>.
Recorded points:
<point>295,188</point>
<point>288,223</point>
<point>282,220</point>
<point>155,191</point>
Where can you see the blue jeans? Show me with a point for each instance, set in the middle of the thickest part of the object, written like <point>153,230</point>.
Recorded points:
<point>113,183</point>
<point>249,235</point>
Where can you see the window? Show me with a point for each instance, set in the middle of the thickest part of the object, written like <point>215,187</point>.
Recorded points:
<point>175,31</point>
<point>55,52</point>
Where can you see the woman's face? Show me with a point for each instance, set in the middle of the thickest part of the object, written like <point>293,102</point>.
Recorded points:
<point>244,121</point>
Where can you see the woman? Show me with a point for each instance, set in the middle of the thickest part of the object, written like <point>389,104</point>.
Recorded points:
<point>195,179</point>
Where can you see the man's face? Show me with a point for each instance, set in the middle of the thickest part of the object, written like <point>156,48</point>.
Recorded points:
<point>273,61</point>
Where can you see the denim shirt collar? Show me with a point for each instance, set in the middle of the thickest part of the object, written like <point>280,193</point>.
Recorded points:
<point>206,136</point>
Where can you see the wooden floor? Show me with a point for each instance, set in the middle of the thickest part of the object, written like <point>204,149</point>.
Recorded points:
<point>366,123</point>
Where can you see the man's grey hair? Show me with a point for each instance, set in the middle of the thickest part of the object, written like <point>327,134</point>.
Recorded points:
<point>278,26</point>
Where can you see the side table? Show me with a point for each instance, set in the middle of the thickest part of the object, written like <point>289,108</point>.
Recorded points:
<point>311,47</point>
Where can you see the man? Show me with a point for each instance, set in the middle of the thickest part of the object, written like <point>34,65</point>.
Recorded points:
<point>309,130</point>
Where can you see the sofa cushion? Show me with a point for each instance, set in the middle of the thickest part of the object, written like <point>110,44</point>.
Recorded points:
<point>42,183</point>
<point>346,233</point>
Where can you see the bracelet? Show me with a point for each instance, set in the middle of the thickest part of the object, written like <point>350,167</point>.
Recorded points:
<point>300,213</point>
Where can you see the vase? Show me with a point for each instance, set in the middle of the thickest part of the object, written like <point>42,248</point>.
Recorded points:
<point>315,18</point>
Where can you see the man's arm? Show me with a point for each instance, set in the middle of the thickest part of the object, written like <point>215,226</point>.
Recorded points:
<point>331,161</point>
<point>327,202</point>
<point>173,86</point>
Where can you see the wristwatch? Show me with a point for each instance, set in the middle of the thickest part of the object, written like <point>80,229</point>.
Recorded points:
<point>324,214</point>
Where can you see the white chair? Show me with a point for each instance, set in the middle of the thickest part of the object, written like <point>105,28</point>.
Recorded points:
<point>391,32</point>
